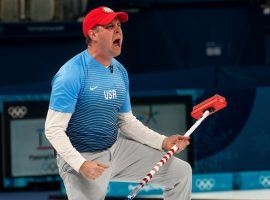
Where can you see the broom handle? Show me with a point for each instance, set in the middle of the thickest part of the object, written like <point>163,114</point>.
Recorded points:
<point>165,158</point>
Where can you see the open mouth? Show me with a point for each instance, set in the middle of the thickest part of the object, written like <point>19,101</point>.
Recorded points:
<point>117,42</point>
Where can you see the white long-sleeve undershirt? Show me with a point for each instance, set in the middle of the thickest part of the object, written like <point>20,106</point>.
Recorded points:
<point>55,131</point>
<point>57,122</point>
<point>134,129</point>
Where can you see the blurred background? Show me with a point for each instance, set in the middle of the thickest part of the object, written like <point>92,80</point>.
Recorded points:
<point>178,53</point>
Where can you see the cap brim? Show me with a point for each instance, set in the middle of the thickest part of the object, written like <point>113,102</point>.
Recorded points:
<point>122,16</point>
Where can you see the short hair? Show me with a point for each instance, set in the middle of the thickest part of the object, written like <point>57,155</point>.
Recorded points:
<point>88,40</point>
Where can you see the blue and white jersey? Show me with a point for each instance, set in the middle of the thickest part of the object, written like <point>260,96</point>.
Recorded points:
<point>94,95</point>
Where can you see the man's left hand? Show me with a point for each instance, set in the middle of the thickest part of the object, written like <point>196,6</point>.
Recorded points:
<point>179,140</point>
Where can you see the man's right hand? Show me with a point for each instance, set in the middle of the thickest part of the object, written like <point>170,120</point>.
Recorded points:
<point>92,169</point>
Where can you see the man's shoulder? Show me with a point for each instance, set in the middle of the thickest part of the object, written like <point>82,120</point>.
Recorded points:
<point>72,70</point>
<point>76,60</point>
<point>74,64</point>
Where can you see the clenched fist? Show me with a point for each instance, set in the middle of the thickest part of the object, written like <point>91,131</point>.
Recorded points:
<point>91,170</point>
<point>179,140</point>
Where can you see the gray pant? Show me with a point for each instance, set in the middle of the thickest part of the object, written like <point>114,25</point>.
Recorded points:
<point>128,161</point>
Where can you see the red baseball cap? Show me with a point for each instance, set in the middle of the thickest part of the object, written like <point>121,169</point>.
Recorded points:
<point>101,16</point>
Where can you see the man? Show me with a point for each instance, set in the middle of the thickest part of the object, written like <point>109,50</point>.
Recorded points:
<point>89,103</point>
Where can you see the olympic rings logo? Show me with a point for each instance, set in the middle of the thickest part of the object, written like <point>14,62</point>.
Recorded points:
<point>265,181</point>
<point>17,111</point>
<point>205,184</point>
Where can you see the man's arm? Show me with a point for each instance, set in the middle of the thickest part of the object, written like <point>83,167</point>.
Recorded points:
<point>134,129</point>
<point>55,131</point>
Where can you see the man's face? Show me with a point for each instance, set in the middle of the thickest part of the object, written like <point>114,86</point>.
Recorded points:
<point>110,37</point>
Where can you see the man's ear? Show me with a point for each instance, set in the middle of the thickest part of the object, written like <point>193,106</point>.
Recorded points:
<point>92,34</point>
